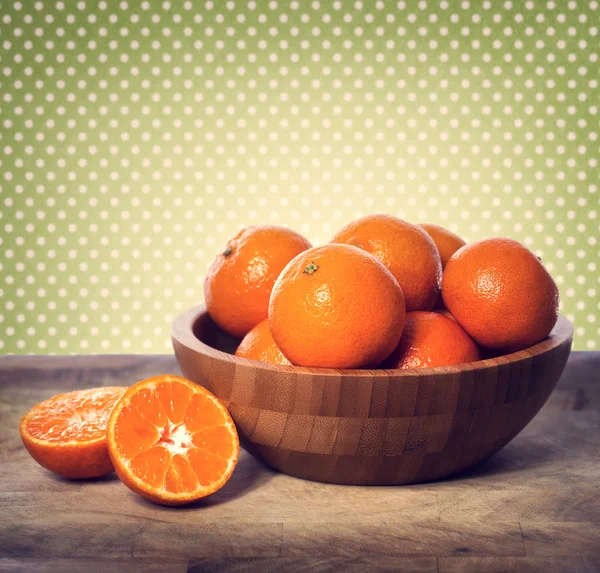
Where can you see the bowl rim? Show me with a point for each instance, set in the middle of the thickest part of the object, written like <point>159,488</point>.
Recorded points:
<point>182,332</point>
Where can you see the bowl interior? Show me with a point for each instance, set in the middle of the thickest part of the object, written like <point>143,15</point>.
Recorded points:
<point>206,331</point>
<point>207,337</point>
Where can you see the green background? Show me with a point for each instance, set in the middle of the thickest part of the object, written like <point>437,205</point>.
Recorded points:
<point>136,137</point>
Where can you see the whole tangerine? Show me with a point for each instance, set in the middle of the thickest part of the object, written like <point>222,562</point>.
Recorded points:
<point>430,339</point>
<point>405,249</point>
<point>446,241</point>
<point>336,306</point>
<point>258,344</point>
<point>501,294</point>
<point>239,281</point>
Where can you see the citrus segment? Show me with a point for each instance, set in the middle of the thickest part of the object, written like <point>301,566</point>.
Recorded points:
<point>214,440</point>
<point>175,400</point>
<point>133,434</point>
<point>67,433</point>
<point>172,441</point>
<point>209,467</point>
<point>149,406</point>
<point>181,476</point>
<point>200,415</point>
<point>151,465</point>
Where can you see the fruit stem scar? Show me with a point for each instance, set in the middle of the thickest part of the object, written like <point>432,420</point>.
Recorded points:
<point>227,251</point>
<point>311,268</point>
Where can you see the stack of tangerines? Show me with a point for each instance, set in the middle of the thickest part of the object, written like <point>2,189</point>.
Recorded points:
<point>383,293</point>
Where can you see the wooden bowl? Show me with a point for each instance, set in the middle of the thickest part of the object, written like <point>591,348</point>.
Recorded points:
<point>371,426</point>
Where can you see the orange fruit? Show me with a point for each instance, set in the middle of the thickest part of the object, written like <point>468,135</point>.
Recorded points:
<point>239,281</point>
<point>430,339</point>
<point>446,241</point>
<point>405,249</point>
<point>501,294</point>
<point>336,306</point>
<point>67,433</point>
<point>258,344</point>
<point>171,440</point>
<point>445,312</point>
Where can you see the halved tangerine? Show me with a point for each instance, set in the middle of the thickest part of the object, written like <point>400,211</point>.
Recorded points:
<point>172,441</point>
<point>67,433</point>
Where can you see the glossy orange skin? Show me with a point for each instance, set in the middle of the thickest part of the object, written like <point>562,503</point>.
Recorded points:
<point>430,339</point>
<point>348,313</point>
<point>258,344</point>
<point>239,281</point>
<point>405,249</point>
<point>446,241</point>
<point>501,294</point>
<point>50,432</point>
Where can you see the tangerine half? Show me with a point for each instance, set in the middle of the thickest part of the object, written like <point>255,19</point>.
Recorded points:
<point>172,441</point>
<point>67,433</point>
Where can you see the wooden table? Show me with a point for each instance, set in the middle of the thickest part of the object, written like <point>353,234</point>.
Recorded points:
<point>535,506</point>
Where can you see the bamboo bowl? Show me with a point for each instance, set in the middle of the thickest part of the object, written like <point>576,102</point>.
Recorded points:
<point>371,427</point>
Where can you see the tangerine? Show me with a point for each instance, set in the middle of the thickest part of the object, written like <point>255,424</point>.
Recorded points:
<point>258,344</point>
<point>405,249</point>
<point>336,306</point>
<point>446,241</point>
<point>172,441</point>
<point>239,281</point>
<point>430,339</point>
<point>501,294</point>
<point>67,433</point>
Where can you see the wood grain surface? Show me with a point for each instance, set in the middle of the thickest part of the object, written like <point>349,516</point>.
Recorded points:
<point>372,427</point>
<point>534,506</point>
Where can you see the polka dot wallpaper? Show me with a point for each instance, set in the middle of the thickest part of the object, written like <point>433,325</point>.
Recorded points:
<point>137,136</point>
